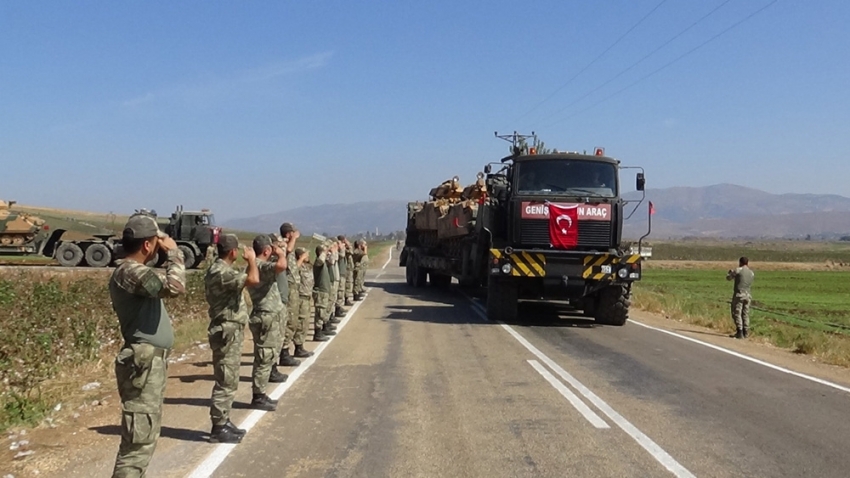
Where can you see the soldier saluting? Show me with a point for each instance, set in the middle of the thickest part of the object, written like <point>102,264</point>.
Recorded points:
<point>136,291</point>
<point>743,277</point>
<point>223,287</point>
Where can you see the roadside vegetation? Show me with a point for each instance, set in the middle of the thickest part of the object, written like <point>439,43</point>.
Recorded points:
<point>806,311</point>
<point>757,251</point>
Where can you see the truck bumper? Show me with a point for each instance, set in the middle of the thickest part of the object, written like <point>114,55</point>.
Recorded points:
<point>565,267</point>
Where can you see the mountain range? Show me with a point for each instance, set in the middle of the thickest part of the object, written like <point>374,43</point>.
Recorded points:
<point>718,211</point>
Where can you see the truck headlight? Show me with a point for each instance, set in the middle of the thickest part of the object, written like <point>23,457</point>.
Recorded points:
<point>506,269</point>
<point>623,273</point>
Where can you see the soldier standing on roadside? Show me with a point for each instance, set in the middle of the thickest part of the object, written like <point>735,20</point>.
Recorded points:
<point>361,264</point>
<point>349,277</point>
<point>264,321</point>
<point>744,277</point>
<point>141,366</point>
<point>342,263</point>
<point>294,332</point>
<point>305,292</point>
<point>223,287</point>
<point>333,263</point>
<point>321,296</point>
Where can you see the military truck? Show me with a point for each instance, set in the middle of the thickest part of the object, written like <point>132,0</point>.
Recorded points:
<point>539,227</point>
<point>193,231</point>
<point>20,232</point>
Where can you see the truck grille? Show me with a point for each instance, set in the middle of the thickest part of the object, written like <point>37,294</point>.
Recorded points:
<point>535,232</point>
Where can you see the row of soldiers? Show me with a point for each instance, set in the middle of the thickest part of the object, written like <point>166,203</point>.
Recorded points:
<point>285,290</point>
<point>284,287</point>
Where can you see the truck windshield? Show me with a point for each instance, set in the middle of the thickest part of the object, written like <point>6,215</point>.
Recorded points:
<point>567,177</point>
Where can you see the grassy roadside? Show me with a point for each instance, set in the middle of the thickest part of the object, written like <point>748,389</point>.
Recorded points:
<point>804,311</point>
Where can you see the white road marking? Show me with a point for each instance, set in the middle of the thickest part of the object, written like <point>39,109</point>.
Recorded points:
<point>745,357</point>
<point>589,414</point>
<point>644,441</point>
<point>211,463</point>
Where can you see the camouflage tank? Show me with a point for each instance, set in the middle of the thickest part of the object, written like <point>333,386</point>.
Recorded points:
<point>18,230</point>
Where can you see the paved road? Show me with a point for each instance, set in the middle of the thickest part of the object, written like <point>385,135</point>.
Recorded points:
<point>418,384</point>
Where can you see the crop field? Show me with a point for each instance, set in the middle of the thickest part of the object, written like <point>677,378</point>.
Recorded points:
<point>802,306</point>
<point>757,251</point>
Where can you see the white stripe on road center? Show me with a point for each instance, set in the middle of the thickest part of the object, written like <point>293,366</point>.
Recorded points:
<point>207,467</point>
<point>656,451</point>
<point>589,414</point>
<point>745,357</point>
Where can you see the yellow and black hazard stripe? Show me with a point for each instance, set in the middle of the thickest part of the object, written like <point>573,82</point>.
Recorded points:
<point>523,263</point>
<point>603,266</point>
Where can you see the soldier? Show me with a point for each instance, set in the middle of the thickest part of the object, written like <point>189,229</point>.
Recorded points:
<point>349,276</point>
<point>294,334</point>
<point>141,365</point>
<point>265,320</point>
<point>361,264</point>
<point>343,277</point>
<point>285,319</point>
<point>333,264</point>
<point>305,291</point>
<point>744,277</point>
<point>321,295</point>
<point>223,287</point>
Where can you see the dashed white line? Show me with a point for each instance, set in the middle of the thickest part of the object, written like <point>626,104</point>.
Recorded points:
<point>211,463</point>
<point>745,357</point>
<point>576,402</point>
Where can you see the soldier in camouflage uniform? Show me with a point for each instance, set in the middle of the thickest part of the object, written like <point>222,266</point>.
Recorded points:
<point>295,329</point>
<point>321,296</point>
<point>342,264</point>
<point>333,268</point>
<point>743,277</point>
<point>265,320</point>
<point>223,288</point>
<point>361,264</point>
<point>136,291</point>
<point>349,274</point>
<point>284,290</point>
<point>305,292</point>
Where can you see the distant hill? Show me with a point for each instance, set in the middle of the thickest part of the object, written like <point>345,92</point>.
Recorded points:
<point>723,210</point>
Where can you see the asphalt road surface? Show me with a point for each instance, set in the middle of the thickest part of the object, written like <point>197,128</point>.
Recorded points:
<point>419,384</point>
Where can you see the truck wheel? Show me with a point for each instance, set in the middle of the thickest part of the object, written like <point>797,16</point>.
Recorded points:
<point>612,305</point>
<point>502,300</point>
<point>418,275</point>
<point>408,273</point>
<point>439,280</point>
<point>98,255</point>
<point>188,256</point>
<point>69,254</point>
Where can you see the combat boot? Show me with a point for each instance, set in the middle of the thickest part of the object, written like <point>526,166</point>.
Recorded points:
<point>348,302</point>
<point>301,352</point>
<point>739,334</point>
<point>287,360</point>
<point>746,332</point>
<point>261,401</point>
<point>224,434</point>
<point>232,426</point>
<point>333,321</point>
<point>328,329</point>
<point>358,297</point>
<point>277,377</point>
<point>340,312</point>
<point>318,336</point>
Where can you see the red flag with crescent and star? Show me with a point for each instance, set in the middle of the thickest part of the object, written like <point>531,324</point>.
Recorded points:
<point>563,226</point>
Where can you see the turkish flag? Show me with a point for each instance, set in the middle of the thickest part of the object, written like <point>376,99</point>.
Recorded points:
<point>563,226</point>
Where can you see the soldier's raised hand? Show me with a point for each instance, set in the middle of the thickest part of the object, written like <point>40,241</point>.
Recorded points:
<point>248,254</point>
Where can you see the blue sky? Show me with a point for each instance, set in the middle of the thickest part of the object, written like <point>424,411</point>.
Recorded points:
<point>256,107</point>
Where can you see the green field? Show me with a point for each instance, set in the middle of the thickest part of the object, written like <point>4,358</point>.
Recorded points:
<point>762,251</point>
<point>807,311</point>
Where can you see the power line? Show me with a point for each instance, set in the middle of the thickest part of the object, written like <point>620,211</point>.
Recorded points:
<point>629,68</point>
<point>665,66</point>
<point>617,41</point>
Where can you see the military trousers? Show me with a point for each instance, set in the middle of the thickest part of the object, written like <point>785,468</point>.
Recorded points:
<point>340,290</point>
<point>295,329</point>
<point>332,297</point>
<point>303,321</point>
<point>265,328</point>
<point>226,346</point>
<point>321,310</point>
<point>349,284</point>
<point>741,310</point>
<point>141,371</point>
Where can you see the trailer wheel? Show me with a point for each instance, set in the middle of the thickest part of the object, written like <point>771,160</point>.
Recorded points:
<point>188,256</point>
<point>612,305</point>
<point>69,254</point>
<point>439,280</point>
<point>502,300</point>
<point>98,255</point>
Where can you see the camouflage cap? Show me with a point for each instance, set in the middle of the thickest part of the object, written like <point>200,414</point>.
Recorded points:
<point>261,242</point>
<point>228,242</point>
<point>286,227</point>
<point>141,226</point>
<point>299,251</point>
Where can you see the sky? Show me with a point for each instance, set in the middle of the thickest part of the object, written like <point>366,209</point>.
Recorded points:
<point>249,108</point>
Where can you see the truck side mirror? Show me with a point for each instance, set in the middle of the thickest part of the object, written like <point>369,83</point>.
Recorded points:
<point>487,169</point>
<point>640,182</point>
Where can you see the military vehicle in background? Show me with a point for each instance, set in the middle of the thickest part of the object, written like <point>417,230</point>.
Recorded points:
<point>193,231</point>
<point>20,232</point>
<point>540,227</point>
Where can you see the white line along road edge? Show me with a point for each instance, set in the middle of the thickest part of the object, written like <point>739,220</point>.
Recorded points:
<point>211,463</point>
<point>656,451</point>
<point>589,414</point>
<point>745,357</point>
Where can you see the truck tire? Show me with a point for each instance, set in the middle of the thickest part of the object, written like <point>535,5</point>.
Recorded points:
<point>69,254</point>
<point>439,280</point>
<point>612,306</point>
<point>419,275</point>
<point>502,300</point>
<point>188,256</point>
<point>98,255</point>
